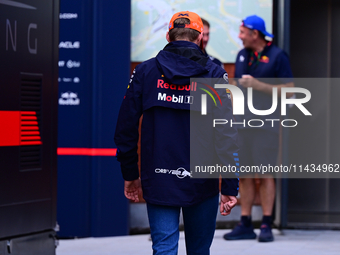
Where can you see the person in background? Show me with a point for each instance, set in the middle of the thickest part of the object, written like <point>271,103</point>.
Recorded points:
<point>259,59</point>
<point>156,91</point>
<point>206,37</point>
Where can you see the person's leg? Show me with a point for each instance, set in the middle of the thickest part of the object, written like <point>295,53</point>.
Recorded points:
<point>199,226</point>
<point>164,226</point>
<point>247,193</point>
<point>244,229</point>
<point>267,195</point>
<point>267,152</point>
<point>247,184</point>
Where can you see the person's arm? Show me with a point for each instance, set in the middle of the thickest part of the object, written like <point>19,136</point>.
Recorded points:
<point>283,71</point>
<point>126,136</point>
<point>249,81</point>
<point>227,203</point>
<point>227,150</point>
<point>133,189</point>
<point>229,191</point>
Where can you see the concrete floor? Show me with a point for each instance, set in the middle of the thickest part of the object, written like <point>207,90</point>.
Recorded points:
<point>311,242</point>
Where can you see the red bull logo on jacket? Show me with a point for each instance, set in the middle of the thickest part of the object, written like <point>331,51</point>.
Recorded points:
<point>163,85</point>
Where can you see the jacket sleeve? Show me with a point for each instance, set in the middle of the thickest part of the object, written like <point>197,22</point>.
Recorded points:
<point>226,141</point>
<point>126,135</point>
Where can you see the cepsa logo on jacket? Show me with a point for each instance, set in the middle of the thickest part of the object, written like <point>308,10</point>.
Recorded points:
<point>182,99</point>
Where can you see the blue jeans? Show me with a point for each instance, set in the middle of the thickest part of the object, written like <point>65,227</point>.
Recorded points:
<point>199,227</point>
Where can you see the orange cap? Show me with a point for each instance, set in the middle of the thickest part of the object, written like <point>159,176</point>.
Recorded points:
<point>195,21</point>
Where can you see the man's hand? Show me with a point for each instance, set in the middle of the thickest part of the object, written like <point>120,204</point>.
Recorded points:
<point>249,81</point>
<point>227,203</point>
<point>132,189</point>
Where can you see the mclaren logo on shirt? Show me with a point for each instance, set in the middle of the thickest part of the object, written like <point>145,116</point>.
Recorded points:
<point>180,99</point>
<point>180,172</point>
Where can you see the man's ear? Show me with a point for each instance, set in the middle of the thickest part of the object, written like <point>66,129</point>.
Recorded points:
<point>167,36</point>
<point>256,33</point>
<point>200,36</point>
<point>200,40</point>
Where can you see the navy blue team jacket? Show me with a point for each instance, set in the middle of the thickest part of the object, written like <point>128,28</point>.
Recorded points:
<point>215,60</point>
<point>159,90</point>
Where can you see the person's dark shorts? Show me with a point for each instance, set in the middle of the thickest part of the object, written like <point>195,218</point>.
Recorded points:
<point>258,146</point>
